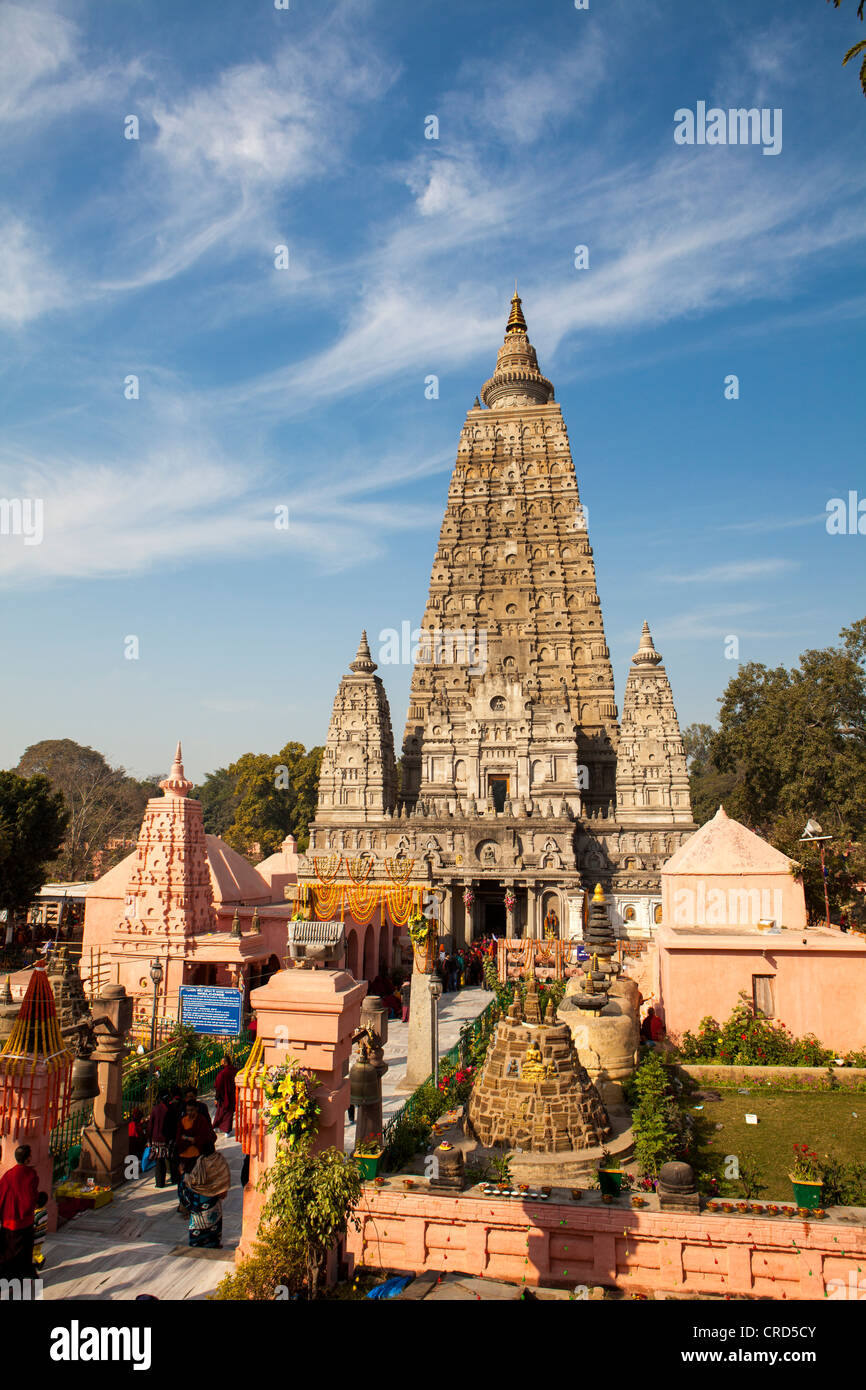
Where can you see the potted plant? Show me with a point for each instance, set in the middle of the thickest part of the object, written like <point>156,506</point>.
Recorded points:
<point>368,1156</point>
<point>422,934</point>
<point>610,1175</point>
<point>806,1179</point>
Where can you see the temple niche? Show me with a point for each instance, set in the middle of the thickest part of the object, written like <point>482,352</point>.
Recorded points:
<point>514,765</point>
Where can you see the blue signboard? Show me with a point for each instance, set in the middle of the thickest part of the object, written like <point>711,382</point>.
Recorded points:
<point>210,1009</point>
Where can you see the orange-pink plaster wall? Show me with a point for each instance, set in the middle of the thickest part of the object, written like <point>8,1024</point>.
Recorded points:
<point>820,991</point>
<point>566,1245</point>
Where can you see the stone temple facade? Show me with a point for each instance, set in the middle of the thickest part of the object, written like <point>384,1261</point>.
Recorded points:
<point>518,782</point>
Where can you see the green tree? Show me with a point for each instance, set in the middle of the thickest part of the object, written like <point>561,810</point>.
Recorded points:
<point>275,797</point>
<point>33,821</point>
<point>219,800</point>
<point>708,787</point>
<point>791,745</point>
<point>311,1196</point>
<point>858,47</point>
<point>104,803</point>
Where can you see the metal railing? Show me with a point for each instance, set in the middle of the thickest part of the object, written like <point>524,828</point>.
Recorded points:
<point>456,1056</point>
<point>146,1074</point>
<point>65,1137</point>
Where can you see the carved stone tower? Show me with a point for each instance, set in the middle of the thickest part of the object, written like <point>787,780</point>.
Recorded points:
<point>652,783</point>
<point>358,778</point>
<point>515,699</point>
<point>169,899</point>
<point>509,776</point>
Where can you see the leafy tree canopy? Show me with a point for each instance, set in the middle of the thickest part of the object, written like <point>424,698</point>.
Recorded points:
<point>261,798</point>
<point>104,803</point>
<point>33,821</point>
<point>791,744</point>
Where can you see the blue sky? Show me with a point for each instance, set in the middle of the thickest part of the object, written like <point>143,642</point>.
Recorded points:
<point>304,387</point>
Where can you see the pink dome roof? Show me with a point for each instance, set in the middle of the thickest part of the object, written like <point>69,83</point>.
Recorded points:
<point>724,846</point>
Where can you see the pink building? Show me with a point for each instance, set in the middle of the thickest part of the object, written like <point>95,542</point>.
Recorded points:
<point>190,901</point>
<point>734,919</point>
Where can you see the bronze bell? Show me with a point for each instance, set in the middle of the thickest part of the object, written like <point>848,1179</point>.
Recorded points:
<point>363,1083</point>
<point>84,1081</point>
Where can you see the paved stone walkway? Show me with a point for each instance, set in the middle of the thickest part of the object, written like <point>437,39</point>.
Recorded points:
<point>455,1010</point>
<point>139,1244</point>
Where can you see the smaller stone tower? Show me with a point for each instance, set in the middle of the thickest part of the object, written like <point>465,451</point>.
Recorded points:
<point>652,782</point>
<point>358,777</point>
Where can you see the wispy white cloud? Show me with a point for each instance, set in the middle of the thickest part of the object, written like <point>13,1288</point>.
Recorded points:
<point>733,572</point>
<point>763,525</point>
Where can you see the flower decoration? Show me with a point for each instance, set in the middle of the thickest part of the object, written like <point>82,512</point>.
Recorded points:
<point>289,1103</point>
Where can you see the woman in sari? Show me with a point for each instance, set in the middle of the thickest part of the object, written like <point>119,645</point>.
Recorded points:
<point>202,1191</point>
<point>194,1135</point>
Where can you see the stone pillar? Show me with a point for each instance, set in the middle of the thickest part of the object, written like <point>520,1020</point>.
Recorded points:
<point>423,1018</point>
<point>308,1015</point>
<point>105,1142</point>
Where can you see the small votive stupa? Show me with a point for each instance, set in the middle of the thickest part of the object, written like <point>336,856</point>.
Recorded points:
<point>533,1093</point>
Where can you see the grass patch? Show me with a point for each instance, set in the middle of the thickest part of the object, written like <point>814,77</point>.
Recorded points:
<point>822,1120</point>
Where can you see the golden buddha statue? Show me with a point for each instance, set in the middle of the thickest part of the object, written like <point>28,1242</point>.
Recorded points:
<point>533,1068</point>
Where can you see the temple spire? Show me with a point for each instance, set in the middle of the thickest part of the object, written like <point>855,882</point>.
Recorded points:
<point>363,663</point>
<point>516,321</point>
<point>646,654</point>
<point>176,783</point>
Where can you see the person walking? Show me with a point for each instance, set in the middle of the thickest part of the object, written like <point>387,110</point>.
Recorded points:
<point>160,1136</point>
<point>19,1198</point>
<point>224,1091</point>
<point>202,1191</point>
<point>194,1135</point>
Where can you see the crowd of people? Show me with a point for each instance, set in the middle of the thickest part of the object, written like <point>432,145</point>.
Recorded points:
<point>464,967</point>
<point>177,1139</point>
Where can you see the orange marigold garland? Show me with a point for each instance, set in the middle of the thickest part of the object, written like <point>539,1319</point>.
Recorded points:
<point>363,902</point>
<point>359,868</point>
<point>35,1039</point>
<point>327,866</point>
<point>249,1116</point>
<point>399,869</point>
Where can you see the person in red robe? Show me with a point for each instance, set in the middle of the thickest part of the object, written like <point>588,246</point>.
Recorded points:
<point>224,1091</point>
<point>19,1188</point>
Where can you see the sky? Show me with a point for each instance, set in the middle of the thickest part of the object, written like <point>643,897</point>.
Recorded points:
<point>173,386</point>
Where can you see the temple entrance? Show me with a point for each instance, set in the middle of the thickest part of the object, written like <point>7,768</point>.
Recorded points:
<point>494,919</point>
<point>497,790</point>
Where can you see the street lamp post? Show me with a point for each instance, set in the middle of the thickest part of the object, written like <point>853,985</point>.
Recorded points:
<point>813,834</point>
<point>156,977</point>
<point>435,987</point>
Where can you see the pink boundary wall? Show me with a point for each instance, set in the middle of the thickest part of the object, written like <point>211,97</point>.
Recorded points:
<point>566,1244</point>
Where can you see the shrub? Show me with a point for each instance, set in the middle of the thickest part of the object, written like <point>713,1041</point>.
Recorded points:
<point>661,1130</point>
<point>275,1267</point>
<point>748,1039</point>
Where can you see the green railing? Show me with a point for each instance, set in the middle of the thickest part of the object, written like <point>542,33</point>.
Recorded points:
<point>168,1070</point>
<point>457,1056</point>
<point>146,1074</point>
<point>67,1136</point>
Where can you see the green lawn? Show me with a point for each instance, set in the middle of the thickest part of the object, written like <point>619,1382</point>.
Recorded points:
<point>823,1120</point>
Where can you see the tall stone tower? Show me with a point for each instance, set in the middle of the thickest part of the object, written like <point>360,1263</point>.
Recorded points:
<point>515,701</point>
<point>509,772</point>
<point>358,777</point>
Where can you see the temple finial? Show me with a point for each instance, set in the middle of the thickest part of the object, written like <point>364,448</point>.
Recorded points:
<point>516,322</point>
<point>363,663</point>
<point>176,783</point>
<point>646,654</point>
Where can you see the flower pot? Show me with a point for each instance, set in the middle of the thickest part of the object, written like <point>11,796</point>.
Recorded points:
<point>610,1181</point>
<point>369,1164</point>
<point>807,1194</point>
